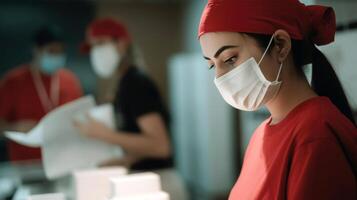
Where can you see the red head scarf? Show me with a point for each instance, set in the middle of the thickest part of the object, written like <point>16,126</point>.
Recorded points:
<point>105,27</point>
<point>314,23</point>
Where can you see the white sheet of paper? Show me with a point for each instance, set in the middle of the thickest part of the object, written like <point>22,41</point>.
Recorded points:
<point>64,149</point>
<point>31,139</point>
<point>103,113</point>
<point>34,138</point>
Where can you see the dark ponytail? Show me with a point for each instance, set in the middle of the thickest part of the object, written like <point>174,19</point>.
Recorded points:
<point>324,79</point>
<point>325,83</point>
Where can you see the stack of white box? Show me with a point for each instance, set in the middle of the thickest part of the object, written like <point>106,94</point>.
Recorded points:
<point>143,186</point>
<point>94,184</point>
<point>54,196</point>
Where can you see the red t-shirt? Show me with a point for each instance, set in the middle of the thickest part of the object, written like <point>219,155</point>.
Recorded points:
<point>19,100</point>
<point>301,157</point>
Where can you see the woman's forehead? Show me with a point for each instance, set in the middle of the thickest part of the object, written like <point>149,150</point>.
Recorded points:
<point>100,40</point>
<point>211,42</point>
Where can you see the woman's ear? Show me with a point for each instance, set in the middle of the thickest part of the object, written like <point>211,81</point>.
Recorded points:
<point>282,46</point>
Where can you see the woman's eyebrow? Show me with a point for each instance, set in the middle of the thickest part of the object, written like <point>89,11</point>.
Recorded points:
<point>220,50</point>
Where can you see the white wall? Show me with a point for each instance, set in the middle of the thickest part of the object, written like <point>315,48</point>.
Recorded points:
<point>202,122</point>
<point>202,128</point>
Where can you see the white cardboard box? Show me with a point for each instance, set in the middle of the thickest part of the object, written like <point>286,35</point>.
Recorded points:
<point>135,184</point>
<point>153,196</point>
<point>54,196</point>
<point>94,184</point>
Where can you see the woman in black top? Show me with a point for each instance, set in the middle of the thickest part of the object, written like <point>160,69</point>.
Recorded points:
<point>143,131</point>
<point>137,98</point>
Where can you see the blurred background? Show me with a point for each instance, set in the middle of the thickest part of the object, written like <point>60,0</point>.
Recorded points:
<point>208,136</point>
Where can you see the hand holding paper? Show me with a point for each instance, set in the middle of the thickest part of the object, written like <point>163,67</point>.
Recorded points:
<point>93,128</point>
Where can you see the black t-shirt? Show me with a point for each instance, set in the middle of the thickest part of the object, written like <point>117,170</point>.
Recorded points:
<point>138,95</point>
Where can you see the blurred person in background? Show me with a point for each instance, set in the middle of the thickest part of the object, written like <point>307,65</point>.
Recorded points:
<point>28,92</point>
<point>143,120</point>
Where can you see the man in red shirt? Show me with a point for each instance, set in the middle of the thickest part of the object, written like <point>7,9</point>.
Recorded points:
<point>30,91</point>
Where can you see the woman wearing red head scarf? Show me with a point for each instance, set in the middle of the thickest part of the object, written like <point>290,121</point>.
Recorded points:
<point>142,118</point>
<point>307,149</point>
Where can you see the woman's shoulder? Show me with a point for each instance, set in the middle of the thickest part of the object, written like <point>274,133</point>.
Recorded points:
<point>137,78</point>
<point>319,120</point>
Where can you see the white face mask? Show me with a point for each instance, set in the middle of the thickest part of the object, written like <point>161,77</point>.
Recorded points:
<point>105,59</point>
<point>245,87</point>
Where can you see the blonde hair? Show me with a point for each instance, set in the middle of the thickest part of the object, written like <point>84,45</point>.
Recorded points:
<point>135,57</point>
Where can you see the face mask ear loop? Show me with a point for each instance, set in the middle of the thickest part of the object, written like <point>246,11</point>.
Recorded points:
<point>266,50</point>
<point>280,69</point>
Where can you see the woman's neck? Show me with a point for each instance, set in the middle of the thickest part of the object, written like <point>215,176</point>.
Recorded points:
<point>123,68</point>
<point>292,92</point>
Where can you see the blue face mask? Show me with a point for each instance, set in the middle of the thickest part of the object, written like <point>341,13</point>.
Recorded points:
<point>50,63</point>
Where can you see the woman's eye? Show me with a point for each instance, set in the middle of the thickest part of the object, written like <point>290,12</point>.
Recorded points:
<point>211,67</point>
<point>231,61</point>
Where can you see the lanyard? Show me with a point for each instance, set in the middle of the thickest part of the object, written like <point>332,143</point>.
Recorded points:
<point>51,100</point>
